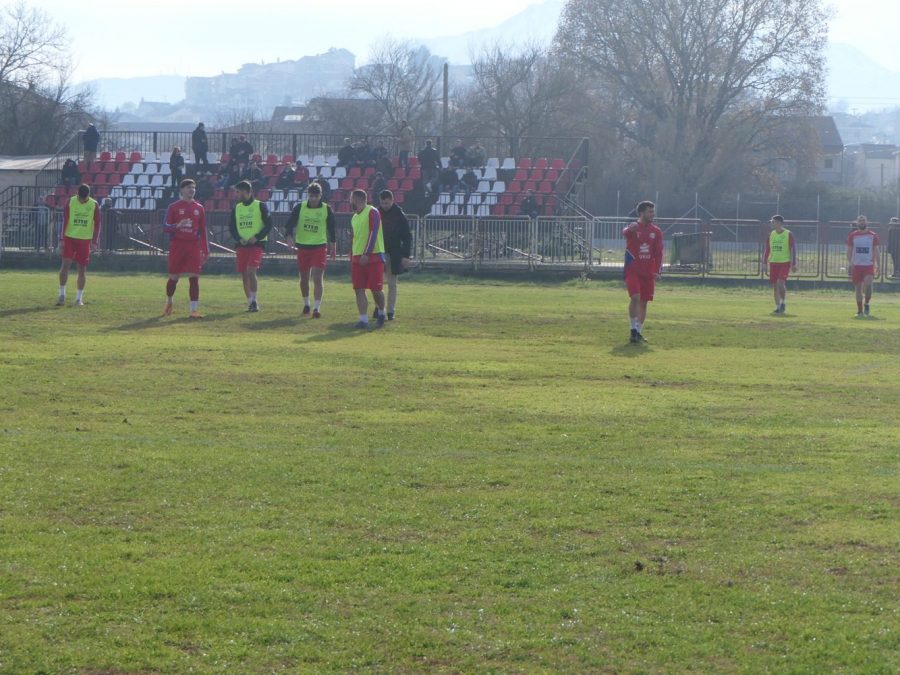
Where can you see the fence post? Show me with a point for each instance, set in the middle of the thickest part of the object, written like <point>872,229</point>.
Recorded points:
<point>589,241</point>
<point>533,242</point>
<point>476,257</point>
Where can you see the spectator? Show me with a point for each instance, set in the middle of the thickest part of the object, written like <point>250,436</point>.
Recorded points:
<point>205,188</point>
<point>241,150</point>
<point>476,156</point>
<point>430,161</point>
<point>447,181</point>
<point>90,139</point>
<point>71,176</point>
<point>254,176</point>
<point>379,152</point>
<point>301,175</point>
<point>364,156</point>
<point>405,143</point>
<point>109,219</point>
<point>529,205</point>
<point>347,154</point>
<point>894,245</point>
<point>379,185</point>
<point>200,146</point>
<point>176,166</point>
<point>286,178</point>
<point>326,188</point>
<point>458,155</point>
<point>383,164</point>
<point>469,182</point>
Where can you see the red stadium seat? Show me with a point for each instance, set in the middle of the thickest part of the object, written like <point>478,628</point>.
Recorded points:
<point>406,185</point>
<point>506,199</point>
<point>272,159</point>
<point>346,183</point>
<point>60,190</point>
<point>498,210</point>
<point>114,179</point>
<point>135,157</point>
<point>530,185</point>
<point>536,174</point>
<point>354,172</point>
<point>107,167</point>
<point>558,164</point>
<point>82,166</point>
<point>120,156</point>
<point>105,156</point>
<point>50,201</point>
<point>552,175</point>
<point>521,175</point>
<point>542,163</point>
<point>413,161</point>
<point>257,158</point>
<point>224,158</point>
<point>122,167</point>
<point>415,173</point>
<point>545,187</point>
<point>100,179</point>
<point>525,163</point>
<point>393,184</point>
<point>288,159</point>
<point>514,186</point>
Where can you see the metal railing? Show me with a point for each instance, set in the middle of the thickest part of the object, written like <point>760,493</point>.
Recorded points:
<point>716,249</point>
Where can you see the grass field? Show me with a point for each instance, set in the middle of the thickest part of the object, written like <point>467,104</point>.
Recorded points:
<point>496,481</point>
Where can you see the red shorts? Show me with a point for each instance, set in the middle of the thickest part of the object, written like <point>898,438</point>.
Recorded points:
<point>640,284</point>
<point>779,272</point>
<point>859,273</point>
<point>369,276</point>
<point>78,250</point>
<point>308,258</point>
<point>185,257</point>
<point>249,256</point>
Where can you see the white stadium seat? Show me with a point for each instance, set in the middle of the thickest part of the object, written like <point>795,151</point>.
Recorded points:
<point>498,187</point>
<point>508,163</point>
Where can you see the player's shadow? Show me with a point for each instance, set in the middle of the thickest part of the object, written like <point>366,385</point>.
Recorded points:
<point>288,322</point>
<point>630,350</point>
<point>163,322</point>
<point>338,331</point>
<point>18,311</point>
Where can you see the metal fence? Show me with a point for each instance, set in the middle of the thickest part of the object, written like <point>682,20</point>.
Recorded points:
<point>722,248</point>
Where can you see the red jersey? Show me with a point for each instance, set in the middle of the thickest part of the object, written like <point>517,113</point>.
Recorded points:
<point>861,246</point>
<point>643,249</point>
<point>185,210</point>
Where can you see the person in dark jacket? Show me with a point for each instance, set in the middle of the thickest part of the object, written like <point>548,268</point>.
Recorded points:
<point>176,167</point>
<point>529,206</point>
<point>91,140</point>
<point>397,245</point>
<point>347,154</point>
<point>200,146</point>
<point>71,176</point>
<point>240,150</point>
<point>430,161</point>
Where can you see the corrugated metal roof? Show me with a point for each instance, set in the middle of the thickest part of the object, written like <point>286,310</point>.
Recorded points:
<point>28,163</point>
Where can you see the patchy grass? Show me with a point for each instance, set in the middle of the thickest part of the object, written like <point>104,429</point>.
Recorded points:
<point>496,481</point>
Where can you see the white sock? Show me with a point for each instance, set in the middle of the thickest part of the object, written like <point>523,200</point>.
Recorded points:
<point>638,326</point>
<point>364,318</point>
<point>318,304</point>
<point>306,301</point>
<point>390,310</point>
<point>170,299</point>
<point>253,297</point>
<point>634,324</point>
<point>380,312</point>
<point>79,295</point>
<point>194,305</point>
<point>62,291</point>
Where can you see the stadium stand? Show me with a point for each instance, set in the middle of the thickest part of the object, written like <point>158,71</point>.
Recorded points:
<point>136,181</point>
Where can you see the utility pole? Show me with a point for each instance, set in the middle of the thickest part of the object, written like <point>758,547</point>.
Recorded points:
<point>445,113</point>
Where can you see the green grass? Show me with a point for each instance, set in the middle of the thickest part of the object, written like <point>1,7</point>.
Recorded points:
<point>496,481</point>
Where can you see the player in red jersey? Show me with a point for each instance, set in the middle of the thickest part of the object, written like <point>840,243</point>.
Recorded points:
<point>862,263</point>
<point>80,236</point>
<point>643,265</point>
<point>188,245</point>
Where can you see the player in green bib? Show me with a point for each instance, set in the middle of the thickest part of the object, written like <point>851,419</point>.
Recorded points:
<point>249,225</point>
<point>80,236</point>
<point>781,257</point>
<point>310,230</point>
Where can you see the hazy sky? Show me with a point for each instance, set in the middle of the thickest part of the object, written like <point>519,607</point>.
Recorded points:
<point>206,37</point>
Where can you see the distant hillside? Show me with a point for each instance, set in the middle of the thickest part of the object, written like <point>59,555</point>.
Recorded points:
<point>536,23</point>
<point>112,93</point>
<point>861,82</point>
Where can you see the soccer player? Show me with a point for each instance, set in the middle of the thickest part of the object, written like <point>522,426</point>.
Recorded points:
<point>862,261</point>
<point>188,246</point>
<point>80,236</point>
<point>367,260</point>
<point>781,258</point>
<point>313,221</point>
<point>249,225</point>
<point>643,265</point>
<point>397,245</point>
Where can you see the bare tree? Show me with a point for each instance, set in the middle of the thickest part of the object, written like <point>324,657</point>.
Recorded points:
<point>39,108</point>
<point>403,79</point>
<point>695,88</point>
<point>517,93</point>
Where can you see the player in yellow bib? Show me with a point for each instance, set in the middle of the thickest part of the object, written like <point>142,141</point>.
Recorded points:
<point>79,238</point>
<point>781,257</point>
<point>249,225</point>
